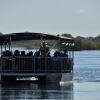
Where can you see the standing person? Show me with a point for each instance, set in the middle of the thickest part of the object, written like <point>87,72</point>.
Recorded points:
<point>44,49</point>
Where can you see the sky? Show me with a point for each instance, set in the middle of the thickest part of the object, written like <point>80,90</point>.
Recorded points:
<point>76,17</point>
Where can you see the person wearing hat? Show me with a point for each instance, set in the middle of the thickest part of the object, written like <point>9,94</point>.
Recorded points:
<point>44,49</point>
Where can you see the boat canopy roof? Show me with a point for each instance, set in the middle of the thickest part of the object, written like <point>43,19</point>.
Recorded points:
<point>12,37</point>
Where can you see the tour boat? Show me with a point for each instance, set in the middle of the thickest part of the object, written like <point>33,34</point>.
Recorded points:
<point>54,64</point>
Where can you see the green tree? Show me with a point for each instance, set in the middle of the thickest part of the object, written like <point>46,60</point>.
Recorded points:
<point>67,35</point>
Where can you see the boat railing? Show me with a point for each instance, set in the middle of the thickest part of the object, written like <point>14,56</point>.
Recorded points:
<point>28,64</point>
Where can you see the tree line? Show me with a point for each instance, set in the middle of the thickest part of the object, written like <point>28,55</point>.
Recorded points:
<point>88,43</point>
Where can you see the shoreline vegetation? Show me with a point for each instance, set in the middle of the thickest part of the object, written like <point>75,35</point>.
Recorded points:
<point>85,43</point>
<point>81,43</point>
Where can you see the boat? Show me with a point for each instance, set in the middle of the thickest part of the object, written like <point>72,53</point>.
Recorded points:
<point>40,64</point>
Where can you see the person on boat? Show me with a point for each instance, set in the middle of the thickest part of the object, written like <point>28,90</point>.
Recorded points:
<point>65,53</point>
<point>30,53</point>
<point>16,53</point>
<point>37,54</point>
<point>22,53</point>
<point>44,49</point>
<point>44,54</point>
<point>16,59</point>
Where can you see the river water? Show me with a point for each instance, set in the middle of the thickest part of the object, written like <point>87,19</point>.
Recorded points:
<point>85,85</point>
<point>87,75</point>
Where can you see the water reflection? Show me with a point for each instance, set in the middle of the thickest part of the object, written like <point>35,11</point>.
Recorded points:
<point>29,91</point>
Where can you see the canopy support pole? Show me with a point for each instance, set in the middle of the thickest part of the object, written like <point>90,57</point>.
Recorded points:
<point>1,59</point>
<point>10,43</point>
<point>1,49</point>
<point>9,46</point>
<point>5,46</point>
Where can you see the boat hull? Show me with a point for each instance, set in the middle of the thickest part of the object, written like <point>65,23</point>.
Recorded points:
<point>59,77</point>
<point>45,78</point>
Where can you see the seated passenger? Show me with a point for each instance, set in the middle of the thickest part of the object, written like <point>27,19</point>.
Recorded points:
<point>57,53</point>
<point>16,53</point>
<point>37,54</point>
<point>54,58</point>
<point>29,61</point>
<point>30,53</point>
<point>7,53</point>
<point>22,53</point>
<point>61,54</point>
<point>65,53</point>
<point>4,53</point>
